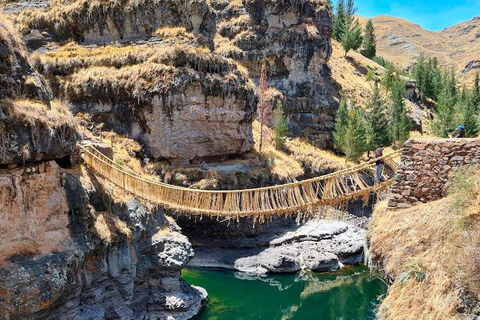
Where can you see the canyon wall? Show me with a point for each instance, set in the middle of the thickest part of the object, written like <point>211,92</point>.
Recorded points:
<point>425,167</point>
<point>68,249</point>
<point>293,38</point>
<point>179,77</point>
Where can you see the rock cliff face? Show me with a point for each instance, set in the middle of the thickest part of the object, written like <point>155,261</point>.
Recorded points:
<point>68,251</point>
<point>122,263</point>
<point>178,104</point>
<point>293,37</point>
<point>166,89</point>
<point>32,126</point>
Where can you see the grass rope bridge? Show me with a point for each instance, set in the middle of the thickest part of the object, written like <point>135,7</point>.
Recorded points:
<point>262,203</point>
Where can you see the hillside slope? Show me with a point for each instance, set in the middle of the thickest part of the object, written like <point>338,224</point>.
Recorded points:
<point>401,41</point>
<point>430,252</point>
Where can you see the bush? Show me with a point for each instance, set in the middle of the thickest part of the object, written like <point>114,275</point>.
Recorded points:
<point>280,127</point>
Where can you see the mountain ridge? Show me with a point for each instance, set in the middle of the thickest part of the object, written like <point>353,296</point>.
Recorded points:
<point>401,41</point>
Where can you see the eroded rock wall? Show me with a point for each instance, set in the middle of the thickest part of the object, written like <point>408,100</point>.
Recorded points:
<point>425,167</point>
<point>116,261</point>
<point>33,211</point>
<point>294,39</point>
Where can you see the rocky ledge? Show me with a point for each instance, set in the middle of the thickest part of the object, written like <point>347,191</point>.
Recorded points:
<point>317,246</point>
<point>110,260</point>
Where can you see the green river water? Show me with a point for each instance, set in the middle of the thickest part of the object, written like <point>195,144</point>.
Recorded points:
<point>350,294</point>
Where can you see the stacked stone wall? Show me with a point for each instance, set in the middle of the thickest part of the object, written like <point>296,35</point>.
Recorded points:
<point>425,167</point>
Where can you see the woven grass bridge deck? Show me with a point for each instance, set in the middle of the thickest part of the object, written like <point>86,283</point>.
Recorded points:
<point>280,200</point>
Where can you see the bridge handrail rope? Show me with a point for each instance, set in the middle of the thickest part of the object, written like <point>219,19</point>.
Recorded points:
<point>331,189</point>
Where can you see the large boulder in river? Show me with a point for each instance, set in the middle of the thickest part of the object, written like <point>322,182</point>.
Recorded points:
<point>280,247</point>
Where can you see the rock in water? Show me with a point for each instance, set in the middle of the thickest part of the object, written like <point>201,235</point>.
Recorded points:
<point>317,246</point>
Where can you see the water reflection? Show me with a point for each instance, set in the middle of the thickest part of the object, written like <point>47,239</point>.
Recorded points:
<point>348,294</point>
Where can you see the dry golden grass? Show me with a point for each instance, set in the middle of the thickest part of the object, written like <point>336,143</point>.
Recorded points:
<point>136,72</point>
<point>176,33</point>
<point>351,74</point>
<point>431,251</point>
<point>35,113</point>
<point>10,36</point>
<point>73,17</point>
<point>108,227</point>
<point>224,47</point>
<point>281,164</point>
<point>297,155</point>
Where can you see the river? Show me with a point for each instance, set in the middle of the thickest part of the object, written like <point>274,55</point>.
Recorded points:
<point>349,294</point>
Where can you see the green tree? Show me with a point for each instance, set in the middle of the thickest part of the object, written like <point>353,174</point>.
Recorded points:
<point>369,49</point>
<point>341,123</point>
<point>399,122</point>
<point>350,135</point>
<point>352,34</point>
<point>444,122</point>
<point>280,127</point>
<point>476,93</point>
<point>378,134</point>
<point>389,77</point>
<point>355,140</point>
<point>470,119</point>
<point>339,21</point>
<point>330,5</point>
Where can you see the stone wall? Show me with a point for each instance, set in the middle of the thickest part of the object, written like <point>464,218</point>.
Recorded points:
<point>425,167</point>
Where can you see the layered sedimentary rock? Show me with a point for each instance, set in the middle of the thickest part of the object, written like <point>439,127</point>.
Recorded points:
<point>293,38</point>
<point>166,89</point>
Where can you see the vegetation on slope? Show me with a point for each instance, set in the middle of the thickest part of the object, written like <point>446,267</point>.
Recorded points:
<point>137,73</point>
<point>72,19</point>
<point>431,252</point>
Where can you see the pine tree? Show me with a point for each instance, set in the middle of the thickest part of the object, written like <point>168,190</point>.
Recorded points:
<point>352,38</point>
<point>399,122</point>
<point>341,123</point>
<point>355,140</point>
<point>470,119</point>
<point>352,35</point>
<point>377,121</point>
<point>444,123</point>
<point>330,5</point>
<point>369,42</point>
<point>280,127</point>
<point>476,93</point>
<point>339,21</point>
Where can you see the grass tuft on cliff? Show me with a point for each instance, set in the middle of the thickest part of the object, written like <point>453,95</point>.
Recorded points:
<point>432,252</point>
<point>136,73</point>
<point>33,113</point>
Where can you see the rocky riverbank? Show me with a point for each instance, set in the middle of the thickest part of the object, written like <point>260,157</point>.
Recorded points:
<point>281,246</point>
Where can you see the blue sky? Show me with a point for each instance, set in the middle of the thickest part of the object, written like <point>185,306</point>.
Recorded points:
<point>430,14</point>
